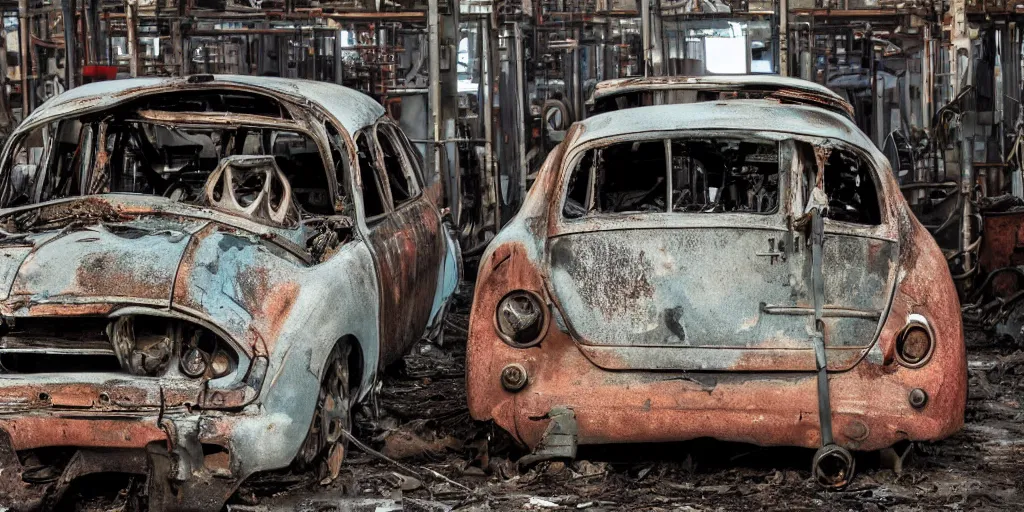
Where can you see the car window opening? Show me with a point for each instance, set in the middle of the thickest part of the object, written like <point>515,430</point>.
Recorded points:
<point>79,157</point>
<point>848,184</point>
<point>682,175</point>
<point>400,182</point>
<point>373,198</point>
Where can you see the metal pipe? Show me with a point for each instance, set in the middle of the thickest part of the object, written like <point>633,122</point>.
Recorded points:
<point>645,33</point>
<point>297,15</point>
<point>927,86</point>
<point>878,99</point>
<point>131,18</point>
<point>402,91</point>
<point>23,42</point>
<point>577,82</point>
<point>434,84</point>
<point>520,111</point>
<point>487,109</point>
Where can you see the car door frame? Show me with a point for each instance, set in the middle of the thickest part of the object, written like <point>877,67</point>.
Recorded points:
<point>407,249</point>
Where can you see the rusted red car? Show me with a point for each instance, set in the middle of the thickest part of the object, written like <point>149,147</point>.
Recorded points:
<point>740,269</point>
<point>199,277</point>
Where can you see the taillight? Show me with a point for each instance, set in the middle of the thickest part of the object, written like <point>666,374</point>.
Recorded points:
<point>521,319</point>
<point>915,343</point>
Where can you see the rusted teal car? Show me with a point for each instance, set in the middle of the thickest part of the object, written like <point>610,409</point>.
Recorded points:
<point>199,278</point>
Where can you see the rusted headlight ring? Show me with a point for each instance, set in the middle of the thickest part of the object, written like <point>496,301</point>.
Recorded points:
<point>916,325</point>
<point>519,299</point>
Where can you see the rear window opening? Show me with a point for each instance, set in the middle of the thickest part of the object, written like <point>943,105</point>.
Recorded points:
<point>679,175</point>
<point>848,183</point>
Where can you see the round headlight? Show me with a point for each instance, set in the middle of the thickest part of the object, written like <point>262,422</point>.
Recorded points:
<point>521,319</point>
<point>915,344</point>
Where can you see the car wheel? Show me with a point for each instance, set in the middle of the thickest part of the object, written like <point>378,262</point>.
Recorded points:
<point>325,444</point>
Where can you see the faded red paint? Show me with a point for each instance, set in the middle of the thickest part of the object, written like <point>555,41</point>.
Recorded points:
<point>29,432</point>
<point>69,309</point>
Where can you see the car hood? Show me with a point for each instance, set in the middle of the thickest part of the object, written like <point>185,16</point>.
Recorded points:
<point>104,258</point>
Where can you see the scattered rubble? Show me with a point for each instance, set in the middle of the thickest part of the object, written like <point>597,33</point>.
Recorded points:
<point>428,455</point>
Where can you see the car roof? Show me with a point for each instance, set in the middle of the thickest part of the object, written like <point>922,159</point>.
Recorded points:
<point>794,86</point>
<point>741,115</point>
<point>618,85</point>
<point>353,109</point>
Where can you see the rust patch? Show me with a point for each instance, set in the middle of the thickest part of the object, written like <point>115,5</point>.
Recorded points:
<point>112,273</point>
<point>70,309</point>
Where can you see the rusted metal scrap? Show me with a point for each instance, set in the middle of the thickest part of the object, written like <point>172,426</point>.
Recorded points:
<point>665,266</point>
<point>201,295</point>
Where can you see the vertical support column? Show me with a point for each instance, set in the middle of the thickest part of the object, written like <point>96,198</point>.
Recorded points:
<point>784,38</point>
<point>960,68</point>
<point>645,33</point>
<point>25,62</point>
<point>67,9</point>
<point>434,87</point>
<point>927,77</point>
<point>338,63</point>
<point>131,11</point>
<point>177,47</point>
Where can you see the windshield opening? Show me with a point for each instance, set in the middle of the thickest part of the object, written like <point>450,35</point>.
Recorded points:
<point>98,155</point>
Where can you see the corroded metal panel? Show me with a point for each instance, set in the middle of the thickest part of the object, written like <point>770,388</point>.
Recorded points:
<point>409,249</point>
<point>117,262</point>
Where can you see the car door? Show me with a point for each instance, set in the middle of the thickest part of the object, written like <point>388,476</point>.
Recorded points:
<point>859,245</point>
<point>451,264</point>
<point>404,233</point>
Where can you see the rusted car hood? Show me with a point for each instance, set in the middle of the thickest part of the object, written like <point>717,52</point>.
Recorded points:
<point>135,261</point>
<point>140,251</point>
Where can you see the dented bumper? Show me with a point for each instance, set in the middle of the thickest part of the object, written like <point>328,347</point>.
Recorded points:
<point>871,404</point>
<point>194,458</point>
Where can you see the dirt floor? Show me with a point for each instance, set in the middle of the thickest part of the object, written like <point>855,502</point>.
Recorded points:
<point>422,452</point>
<point>440,459</point>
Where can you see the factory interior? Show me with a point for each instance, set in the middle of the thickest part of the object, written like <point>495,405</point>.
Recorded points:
<point>486,92</point>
